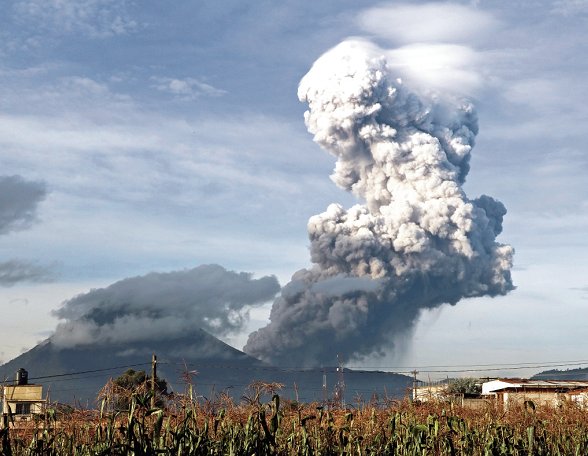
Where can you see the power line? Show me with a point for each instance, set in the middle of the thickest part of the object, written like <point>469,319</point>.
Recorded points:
<point>90,371</point>
<point>352,370</point>
<point>531,364</point>
<point>84,372</point>
<point>70,379</point>
<point>398,369</point>
<point>502,368</point>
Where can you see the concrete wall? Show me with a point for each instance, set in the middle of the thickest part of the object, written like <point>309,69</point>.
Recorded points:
<point>475,403</point>
<point>430,393</point>
<point>539,398</point>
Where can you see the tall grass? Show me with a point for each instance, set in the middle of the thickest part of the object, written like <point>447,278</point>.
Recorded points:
<point>264,424</point>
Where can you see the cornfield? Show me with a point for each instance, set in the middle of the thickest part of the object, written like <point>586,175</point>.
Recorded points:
<point>264,424</point>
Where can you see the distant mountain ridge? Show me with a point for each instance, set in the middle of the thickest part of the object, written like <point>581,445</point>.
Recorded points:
<point>568,374</point>
<point>213,365</point>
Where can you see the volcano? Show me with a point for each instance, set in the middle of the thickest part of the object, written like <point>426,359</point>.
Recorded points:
<point>75,375</point>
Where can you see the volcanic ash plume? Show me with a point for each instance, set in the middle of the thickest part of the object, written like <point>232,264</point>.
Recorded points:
<point>417,242</point>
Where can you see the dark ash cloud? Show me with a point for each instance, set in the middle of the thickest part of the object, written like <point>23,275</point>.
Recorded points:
<point>15,271</point>
<point>18,202</point>
<point>418,241</point>
<point>161,306</point>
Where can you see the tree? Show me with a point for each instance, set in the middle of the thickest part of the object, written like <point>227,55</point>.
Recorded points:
<point>466,385</point>
<point>136,382</point>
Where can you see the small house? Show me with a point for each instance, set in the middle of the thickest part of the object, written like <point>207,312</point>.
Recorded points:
<point>22,400</point>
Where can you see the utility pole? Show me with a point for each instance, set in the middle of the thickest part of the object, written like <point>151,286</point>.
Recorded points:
<point>153,377</point>
<point>414,384</point>
<point>339,395</point>
<point>325,393</point>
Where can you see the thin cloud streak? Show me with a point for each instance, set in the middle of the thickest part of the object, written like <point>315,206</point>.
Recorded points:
<point>98,19</point>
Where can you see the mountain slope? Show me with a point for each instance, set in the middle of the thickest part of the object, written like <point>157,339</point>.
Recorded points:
<point>214,366</point>
<point>47,363</point>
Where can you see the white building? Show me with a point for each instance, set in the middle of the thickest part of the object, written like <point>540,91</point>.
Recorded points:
<point>539,392</point>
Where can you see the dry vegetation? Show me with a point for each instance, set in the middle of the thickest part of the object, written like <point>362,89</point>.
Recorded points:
<point>259,426</point>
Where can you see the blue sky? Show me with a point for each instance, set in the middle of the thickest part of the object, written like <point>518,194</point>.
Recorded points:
<point>170,135</point>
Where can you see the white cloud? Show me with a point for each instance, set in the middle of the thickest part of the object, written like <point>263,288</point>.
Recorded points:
<point>169,157</point>
<point>446,67</point>
<point>427,23</point>
<point>187,88</point>
<point>94,18</point>
<point>433,44</point>
<point>94,136</point>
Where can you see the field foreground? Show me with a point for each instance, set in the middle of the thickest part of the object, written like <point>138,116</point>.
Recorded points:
<point>258,426</point>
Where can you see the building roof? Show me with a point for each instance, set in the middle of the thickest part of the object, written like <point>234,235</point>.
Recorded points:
<point>581,390</point>
<point>513,384</point>
<point>14,385</point>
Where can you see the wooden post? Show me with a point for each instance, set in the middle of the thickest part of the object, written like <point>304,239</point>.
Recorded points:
<point>153,377</point>
<point>414,385</point>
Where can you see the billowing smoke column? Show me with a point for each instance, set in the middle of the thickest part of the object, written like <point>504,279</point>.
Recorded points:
<point>417,242</point>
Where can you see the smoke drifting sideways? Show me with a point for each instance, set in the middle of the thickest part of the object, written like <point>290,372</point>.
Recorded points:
<point>418,242</point>
<point>162,306</point>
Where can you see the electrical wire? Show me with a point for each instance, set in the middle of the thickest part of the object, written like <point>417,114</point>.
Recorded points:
<point>403,369</point>
<point>90,371</point>
<point>349,370</point>
<point>82,372</point>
